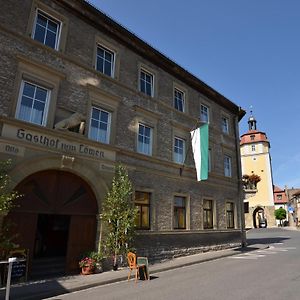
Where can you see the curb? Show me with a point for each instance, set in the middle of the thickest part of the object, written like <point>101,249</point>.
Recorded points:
<point>154,270</point>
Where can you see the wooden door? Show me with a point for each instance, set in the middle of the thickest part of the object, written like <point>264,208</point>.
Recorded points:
<point>82,234</point>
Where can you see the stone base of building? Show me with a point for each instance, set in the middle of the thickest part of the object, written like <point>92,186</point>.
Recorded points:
<point>161,246</point>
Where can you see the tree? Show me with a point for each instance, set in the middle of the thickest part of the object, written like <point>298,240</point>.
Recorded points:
<point>119,214</point>
<point>7,198</point>
<point>280,214</point>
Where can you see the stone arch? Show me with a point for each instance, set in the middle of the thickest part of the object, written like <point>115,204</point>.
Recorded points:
<point>258,213</point>
<point>28,175</point>
<point>80,168</point>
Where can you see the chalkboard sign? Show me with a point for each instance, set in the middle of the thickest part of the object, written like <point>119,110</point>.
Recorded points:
<point>19,267</point>
<point>19,271</point>
<point>143,261</point>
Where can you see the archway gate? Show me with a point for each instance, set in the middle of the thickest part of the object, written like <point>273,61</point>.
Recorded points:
<point>55,217</point>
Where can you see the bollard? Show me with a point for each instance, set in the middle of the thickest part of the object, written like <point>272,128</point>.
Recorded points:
<point>11,260</point>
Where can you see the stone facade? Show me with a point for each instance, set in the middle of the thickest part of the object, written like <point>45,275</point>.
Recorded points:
<point>75,86</point>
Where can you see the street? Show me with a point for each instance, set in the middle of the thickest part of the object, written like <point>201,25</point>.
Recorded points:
<point>271,273</point>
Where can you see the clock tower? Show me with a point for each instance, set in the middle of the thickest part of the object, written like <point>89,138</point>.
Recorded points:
<point>257,177</point>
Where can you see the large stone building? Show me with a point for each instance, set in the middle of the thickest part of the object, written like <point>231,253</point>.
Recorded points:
<point>78,93</point>
<point>257,173</point>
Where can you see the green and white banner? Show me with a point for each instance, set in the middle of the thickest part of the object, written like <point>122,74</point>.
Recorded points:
<point>199,138</point>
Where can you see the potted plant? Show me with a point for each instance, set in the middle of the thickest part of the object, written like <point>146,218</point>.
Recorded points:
<point>98,257</point>
<point>87,265</point>
<point>91,262</point>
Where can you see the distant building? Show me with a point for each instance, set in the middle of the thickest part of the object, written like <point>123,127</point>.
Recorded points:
<point>293,196</point>
<point>280,200</point>
<point>256,164</point>
<point>80,93</point>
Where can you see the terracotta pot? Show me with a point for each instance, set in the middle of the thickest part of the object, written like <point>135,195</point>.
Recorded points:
<point>87,270</point>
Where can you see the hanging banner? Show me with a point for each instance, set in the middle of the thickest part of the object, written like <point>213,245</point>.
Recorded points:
<point>199,138</point>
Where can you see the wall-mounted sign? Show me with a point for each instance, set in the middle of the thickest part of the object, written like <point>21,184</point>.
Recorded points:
<point>55,143</point>
<point>12,149</point>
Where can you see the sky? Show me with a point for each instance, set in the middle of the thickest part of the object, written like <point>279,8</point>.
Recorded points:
<point>247,50</point>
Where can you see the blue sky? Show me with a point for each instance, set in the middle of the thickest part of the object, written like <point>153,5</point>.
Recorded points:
<point>248,50</point>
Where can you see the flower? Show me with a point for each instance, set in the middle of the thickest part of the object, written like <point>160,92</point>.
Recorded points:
<point>87,262</point>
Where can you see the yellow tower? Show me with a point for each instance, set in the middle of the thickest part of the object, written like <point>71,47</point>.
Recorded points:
<point>257,178</point>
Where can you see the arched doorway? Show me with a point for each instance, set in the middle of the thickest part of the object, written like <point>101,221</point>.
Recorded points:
<point>55,219</point>
<point>259,219</point>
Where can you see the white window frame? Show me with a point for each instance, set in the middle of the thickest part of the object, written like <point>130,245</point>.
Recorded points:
<point>178,99</point>
<point>142,70</point>
<point>227,166</point>
<point>113,62</point>
<point>107,140</point>
<point>225,125</point>
<point>204,115</point>
<point>53,19</point>
<point>253,148</point>
<point>46,108</point>
<point>142,150</point>
<point>176,156</point>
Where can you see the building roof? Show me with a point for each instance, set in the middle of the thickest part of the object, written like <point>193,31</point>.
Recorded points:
<point>254,136</point>
<point>104,23</point>
<point>277,191</point>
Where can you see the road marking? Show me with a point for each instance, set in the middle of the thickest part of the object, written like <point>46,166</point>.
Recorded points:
<point>244,257</point>
<point>261,253</point>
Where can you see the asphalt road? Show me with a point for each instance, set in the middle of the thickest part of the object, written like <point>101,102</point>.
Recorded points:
<point>273,273</point>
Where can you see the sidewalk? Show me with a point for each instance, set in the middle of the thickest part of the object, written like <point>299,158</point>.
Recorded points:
<point>56,286</point>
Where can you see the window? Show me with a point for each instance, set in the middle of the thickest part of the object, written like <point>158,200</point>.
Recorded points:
<point>100,125</point>
<point>179,150</point>
<point>227,166</point>
<point>142,203</point>
<point>179,213</point>
<point>246,207</point>
<point>207,214</point>
<point>225,125</point>
<point>252,148</point>
<point>252,137</point>
<point>144,140</point>
<point>279,197</point>
<point>230,214</point>
<point>105,61</point>
<point>204,113</point>
<point>46,30</point>
<point>33,103</point>
<point>146,83</point>
<point>179,100</point>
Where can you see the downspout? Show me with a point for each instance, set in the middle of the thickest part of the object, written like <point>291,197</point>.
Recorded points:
<point>240,189</point>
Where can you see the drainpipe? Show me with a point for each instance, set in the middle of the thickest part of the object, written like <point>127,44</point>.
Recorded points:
<point>240,189</point>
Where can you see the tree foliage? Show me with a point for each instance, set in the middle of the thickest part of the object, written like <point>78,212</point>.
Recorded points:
<point>7,196</point>
<point>119,214</point>
<point>280,214</point>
